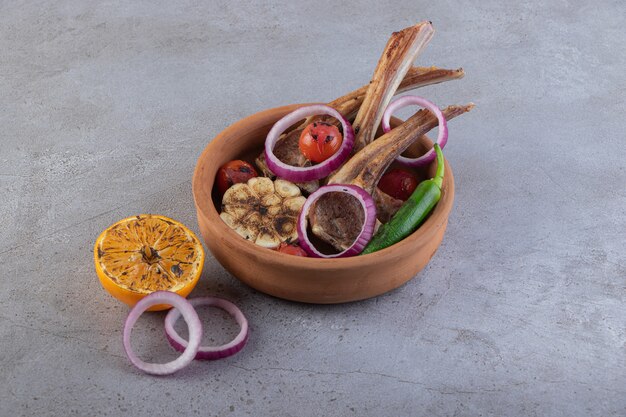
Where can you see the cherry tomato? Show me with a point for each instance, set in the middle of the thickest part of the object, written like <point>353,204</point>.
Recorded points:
<point>319,141</point>
<point>291,249</point>
<point>398,183</point>
<point>234,172</point>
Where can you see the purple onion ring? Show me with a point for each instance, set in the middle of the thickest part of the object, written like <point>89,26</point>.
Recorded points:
<point>209,352</point>
<point>369,222</point>
<point>442,137</point>
<point>193,322</point>
<point>315,172</point>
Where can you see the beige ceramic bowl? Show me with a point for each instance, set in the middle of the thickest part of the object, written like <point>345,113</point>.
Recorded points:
<point>295,278</point>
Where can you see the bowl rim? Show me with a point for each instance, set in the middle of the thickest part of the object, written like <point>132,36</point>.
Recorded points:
<point>206,209</point>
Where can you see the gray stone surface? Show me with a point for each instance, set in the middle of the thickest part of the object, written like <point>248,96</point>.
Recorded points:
<point>105,107</point>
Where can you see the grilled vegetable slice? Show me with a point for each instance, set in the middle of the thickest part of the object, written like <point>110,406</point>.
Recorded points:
<point>263,211</point>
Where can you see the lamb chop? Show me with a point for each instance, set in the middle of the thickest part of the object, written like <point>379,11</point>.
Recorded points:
<point>348,105</point>
<point>337,218</point>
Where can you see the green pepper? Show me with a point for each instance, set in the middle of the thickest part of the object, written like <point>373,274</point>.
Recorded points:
<point>412,213</point>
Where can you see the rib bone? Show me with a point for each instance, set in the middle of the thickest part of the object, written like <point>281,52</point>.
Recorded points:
<point>399,54</point>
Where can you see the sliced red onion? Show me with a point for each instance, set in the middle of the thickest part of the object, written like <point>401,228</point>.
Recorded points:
<point>315,172</point>
<point>369,210</point>
<point>442,137</point>
<point>209,352</point>
<point>190,316</point>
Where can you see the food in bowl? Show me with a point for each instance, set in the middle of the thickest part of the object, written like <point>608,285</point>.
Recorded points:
<point>308,279</point>
<point>333,155</point>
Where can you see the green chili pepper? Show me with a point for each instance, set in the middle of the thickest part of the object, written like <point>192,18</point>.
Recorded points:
<point>412,213</point>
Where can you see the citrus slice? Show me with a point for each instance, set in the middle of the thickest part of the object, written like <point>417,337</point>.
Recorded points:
<point>143,254</point>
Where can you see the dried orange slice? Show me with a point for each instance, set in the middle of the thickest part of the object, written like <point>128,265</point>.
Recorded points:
<point>142,254</point>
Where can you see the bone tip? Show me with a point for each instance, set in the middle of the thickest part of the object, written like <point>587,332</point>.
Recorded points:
<point>469,106</point>
<point>425,25</point>
<point>428,26</point>
<point>458,73</point>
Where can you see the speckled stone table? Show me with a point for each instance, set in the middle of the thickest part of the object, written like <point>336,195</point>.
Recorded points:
<point>105,107</point>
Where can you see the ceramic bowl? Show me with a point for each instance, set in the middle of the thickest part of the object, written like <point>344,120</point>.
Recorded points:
<point>309,280</point>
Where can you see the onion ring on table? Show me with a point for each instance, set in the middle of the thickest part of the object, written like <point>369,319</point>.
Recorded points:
<point>190,316</point>
<point>209,352</point>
